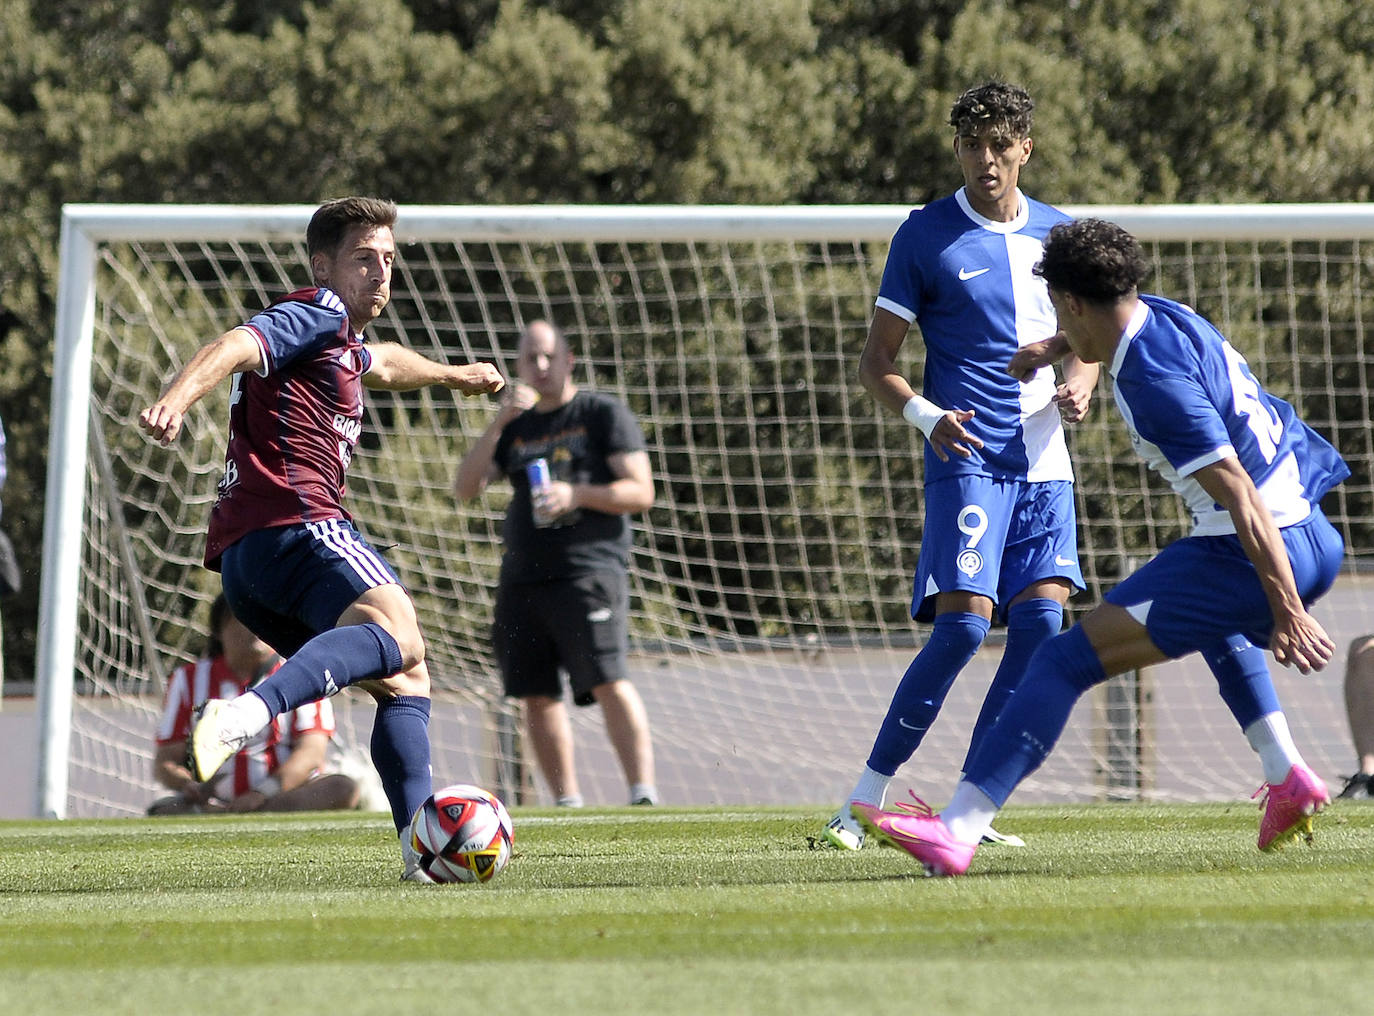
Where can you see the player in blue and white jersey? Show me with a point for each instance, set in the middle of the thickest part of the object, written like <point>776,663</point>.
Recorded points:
<point>1000,533</point>
<point>295,571</point>
<point>1251,473</point>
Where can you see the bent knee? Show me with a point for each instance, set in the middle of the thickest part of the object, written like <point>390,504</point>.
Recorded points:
<point>412,646</point>
<point>960,632</point>
<point>411,682</point>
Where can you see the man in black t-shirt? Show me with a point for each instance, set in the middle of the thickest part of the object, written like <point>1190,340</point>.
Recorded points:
<point>564,593</point>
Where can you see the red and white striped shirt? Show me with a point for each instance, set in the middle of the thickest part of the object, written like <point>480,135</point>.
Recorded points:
<point>193,683</point>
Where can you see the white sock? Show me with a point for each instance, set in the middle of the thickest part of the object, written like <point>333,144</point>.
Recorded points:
<point>871,788</point>
<point>247,715</point>
<point>969,813</point>
<point>1270,738</point>
<point>642,792</point>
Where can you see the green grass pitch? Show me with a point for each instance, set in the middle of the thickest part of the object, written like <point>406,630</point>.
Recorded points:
<point>1109,909</point>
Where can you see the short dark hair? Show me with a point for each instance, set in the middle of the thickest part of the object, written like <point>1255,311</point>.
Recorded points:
<point>333,219</point>
<point>993,106</point>
<point>1092,259</point>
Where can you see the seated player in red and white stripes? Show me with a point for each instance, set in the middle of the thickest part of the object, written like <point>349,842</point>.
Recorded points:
<point>284,768</point>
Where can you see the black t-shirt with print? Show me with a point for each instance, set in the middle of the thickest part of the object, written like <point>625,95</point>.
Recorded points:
<point>576,439</point>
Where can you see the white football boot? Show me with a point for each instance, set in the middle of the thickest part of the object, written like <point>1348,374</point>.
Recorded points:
<point>209,745</point>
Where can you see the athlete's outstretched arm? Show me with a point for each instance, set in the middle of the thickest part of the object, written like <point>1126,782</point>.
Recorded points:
<point>1299,640</point>
<point>235,351</point>
<point>399,368</point>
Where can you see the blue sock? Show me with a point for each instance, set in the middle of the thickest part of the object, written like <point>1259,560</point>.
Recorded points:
<point>1060,671</point>
<point>331,660</point>
<point>400,751</point>
<point>953,640</point>
<point>1029,623</point>
<point>1243,679</point>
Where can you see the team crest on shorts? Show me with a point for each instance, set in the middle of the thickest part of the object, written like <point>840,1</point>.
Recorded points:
<point>970,562</point>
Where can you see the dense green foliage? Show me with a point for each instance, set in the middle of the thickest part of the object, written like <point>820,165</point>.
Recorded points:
<point>627,101</point>
<point>1131,909</point>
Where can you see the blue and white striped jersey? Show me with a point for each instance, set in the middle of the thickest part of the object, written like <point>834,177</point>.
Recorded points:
<point>967,282</point>
<point>1189,400</point>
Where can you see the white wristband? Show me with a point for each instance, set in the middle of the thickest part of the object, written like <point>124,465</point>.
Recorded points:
<point>268,786</point>
<point>922,414</point>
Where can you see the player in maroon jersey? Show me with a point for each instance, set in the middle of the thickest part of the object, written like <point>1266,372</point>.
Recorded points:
<point>295,570</point>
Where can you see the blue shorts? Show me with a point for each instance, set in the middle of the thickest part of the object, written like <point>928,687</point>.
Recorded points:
<point>994,538</point>
<point>288,584</point>
<point>1202,589</point>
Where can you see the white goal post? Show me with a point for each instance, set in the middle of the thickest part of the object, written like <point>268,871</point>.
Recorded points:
<point>771,579</point>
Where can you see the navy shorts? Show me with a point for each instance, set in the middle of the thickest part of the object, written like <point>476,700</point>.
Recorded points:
<point>288,584</point>
<point>1202,589</point>
<point>994,538</point>
<point>578,625</point>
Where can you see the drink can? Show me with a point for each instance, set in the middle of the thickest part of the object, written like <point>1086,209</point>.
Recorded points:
<point>538,474</point>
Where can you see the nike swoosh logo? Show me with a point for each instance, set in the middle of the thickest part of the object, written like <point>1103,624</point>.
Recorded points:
<point>965,274</point>
<point>1062,561</point>
<point>903,723</point>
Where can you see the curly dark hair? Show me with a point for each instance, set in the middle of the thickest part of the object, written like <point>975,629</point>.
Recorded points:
<point>333,219</point>
<point>1093,259</point>
<point>993,106</point>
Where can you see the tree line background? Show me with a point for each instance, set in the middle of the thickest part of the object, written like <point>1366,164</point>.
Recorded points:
<point>628,102</point>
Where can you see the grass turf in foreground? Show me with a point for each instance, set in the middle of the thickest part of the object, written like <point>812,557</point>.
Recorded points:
<point>1111,909</point>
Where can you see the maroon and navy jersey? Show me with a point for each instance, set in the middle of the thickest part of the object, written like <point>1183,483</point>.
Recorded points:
<point>293,423</point>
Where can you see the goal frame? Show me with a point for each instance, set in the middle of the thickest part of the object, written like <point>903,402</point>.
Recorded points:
<point>85,226</point>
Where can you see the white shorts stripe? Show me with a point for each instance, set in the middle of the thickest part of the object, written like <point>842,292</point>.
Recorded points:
<point>360,557</point>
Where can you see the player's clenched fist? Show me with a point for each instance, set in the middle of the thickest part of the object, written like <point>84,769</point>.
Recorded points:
<point>161,423</point>
<point>476,379</point>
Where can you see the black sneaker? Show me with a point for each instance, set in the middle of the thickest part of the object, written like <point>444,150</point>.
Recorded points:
<point>1358,787</point>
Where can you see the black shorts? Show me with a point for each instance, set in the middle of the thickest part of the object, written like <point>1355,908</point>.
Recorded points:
<point>578,625</point>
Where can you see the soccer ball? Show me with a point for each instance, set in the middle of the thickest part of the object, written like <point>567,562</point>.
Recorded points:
<point>462,834</point>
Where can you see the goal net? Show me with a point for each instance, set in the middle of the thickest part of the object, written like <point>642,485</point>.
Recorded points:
<point>771,581</point>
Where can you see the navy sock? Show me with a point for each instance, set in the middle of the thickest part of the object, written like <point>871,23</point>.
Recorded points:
<point>1243,679</point>
<point>331,660</point>
<point>1029,623</point>
<point>400,751</point>
<point>1060,671</point>
<point>953,640</point>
